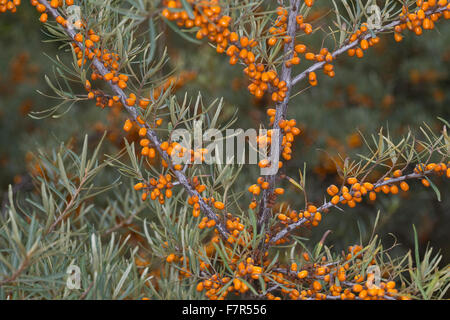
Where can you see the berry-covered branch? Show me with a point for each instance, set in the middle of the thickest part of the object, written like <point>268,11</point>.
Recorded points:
<point>131,109</point>
<point>364,38</point>
<point>355,193</point>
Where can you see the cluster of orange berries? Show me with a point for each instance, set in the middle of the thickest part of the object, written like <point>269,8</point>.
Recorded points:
<point>110,60</point>
<point>205,222</point>
<point>214,25</point>
<point>290,131</point>
<point>194,201</point>
<point>255,189</point>
<point>419,20</point>
<point>354,193</point>
<point>323,280</point>
<point>235,228</point>
<point>259,86</point>
<point>160,188</point>
<point>9,5</point>
<point>364,43</point>
<point>279,28</point>
<point>183,272</point>
<point>437,168</point>
<point>244,271</point>
<point>213,286</point>
<point>147,150</point>
<point>233,224</point>
<point>54,4</point>
<point>311,214</point>
<point>319,281</point>
<point>323,55</point>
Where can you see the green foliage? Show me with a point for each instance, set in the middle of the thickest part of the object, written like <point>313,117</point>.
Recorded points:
<point>72,203</point>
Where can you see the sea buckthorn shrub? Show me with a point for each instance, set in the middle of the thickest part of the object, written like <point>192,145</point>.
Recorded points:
<point>141,226</point>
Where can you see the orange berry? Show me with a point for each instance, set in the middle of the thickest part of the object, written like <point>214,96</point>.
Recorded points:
<point>397,173</point>
<point>142,132</point>
<point>364,44</point>
<point>317,286</point>
<point>352,180</point>
<point>43,18</point>
<point>300,48</point>
<point>359,53</point>
<point>89,43</point>
<point>164,146</point>
<point>310,56</point>
<point>138,186</point>
<point>128,125</point>
<point>272,41</point>
<point>425,182</point>
<point>335,200</point>
<point>244,41</point>
<point>219,205</point>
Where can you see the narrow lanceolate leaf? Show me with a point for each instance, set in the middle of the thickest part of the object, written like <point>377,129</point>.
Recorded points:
<point>122,281</point>
<point>83,157</point>
<point>64,178</point>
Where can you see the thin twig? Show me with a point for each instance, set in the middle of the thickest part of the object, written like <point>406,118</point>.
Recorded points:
<point>17,273</point>
<point>69,206</point>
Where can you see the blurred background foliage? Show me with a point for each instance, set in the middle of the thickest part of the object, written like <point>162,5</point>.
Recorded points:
<point>395,86</point>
